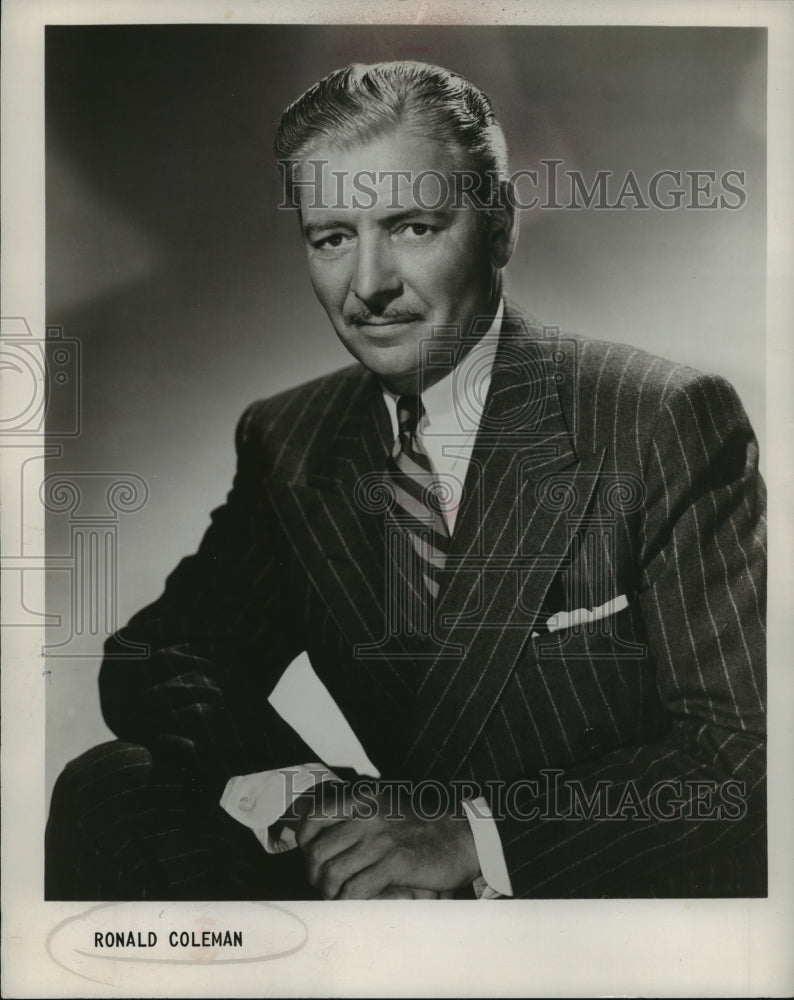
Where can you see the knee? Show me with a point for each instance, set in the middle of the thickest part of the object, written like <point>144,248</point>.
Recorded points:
<point>100,774</point>
<point>112,758</point>
<point>100,806</point>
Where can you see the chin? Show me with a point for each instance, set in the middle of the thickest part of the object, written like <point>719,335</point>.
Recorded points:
<point>390,362</point>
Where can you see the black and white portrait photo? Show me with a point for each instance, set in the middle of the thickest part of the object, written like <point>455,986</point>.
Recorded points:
<point>402,472</point>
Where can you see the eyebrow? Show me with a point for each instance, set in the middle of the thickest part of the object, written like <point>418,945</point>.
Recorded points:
<point>313,228</point>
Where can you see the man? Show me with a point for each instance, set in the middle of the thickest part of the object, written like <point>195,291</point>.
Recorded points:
<point>529,569</point>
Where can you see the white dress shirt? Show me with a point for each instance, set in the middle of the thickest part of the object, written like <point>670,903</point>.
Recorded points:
<point>452,412</point>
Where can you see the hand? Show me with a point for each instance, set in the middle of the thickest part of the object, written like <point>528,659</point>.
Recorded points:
<point>355,853</point>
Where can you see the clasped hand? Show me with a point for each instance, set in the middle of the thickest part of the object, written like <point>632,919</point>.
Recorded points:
<point>376,850</point>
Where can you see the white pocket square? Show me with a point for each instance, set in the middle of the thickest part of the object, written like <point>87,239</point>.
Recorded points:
<point>581,616</point>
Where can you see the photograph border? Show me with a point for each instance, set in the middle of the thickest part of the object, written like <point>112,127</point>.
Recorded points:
<point>697,947</point>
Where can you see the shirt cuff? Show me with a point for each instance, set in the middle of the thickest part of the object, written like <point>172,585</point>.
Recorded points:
<point>495,880</point>
<point>259,800</point>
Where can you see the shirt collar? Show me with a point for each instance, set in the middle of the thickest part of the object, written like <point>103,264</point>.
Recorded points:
<point>455,403</point>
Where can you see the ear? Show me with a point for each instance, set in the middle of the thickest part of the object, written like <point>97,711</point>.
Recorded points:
<point>503,226</point>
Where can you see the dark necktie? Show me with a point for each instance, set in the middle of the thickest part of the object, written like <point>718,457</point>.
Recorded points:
<point>421,545</point>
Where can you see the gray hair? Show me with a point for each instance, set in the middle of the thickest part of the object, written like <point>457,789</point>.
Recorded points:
<point>359,103</point>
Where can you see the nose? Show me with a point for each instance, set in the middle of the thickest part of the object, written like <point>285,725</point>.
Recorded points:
<point>376,281</point>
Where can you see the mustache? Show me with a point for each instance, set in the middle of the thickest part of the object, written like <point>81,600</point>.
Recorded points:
<point>390,316</point>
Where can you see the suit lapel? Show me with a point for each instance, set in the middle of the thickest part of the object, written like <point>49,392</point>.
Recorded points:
<point>334,519</point>
<point>525,494</point>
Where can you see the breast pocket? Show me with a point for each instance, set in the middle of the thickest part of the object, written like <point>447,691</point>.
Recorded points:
<point>596,681</point>
<point>618,636</point>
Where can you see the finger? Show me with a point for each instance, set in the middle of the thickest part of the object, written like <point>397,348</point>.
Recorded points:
<point>336,871</point>
<point>327,845</point>
<point>308,829</point>
<point>369,883</point>
<point>324,814</point>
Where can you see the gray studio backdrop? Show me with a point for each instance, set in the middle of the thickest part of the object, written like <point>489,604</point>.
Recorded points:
<point>186,292</point>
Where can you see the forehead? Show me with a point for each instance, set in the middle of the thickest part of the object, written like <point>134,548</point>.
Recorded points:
<point>393,172</point>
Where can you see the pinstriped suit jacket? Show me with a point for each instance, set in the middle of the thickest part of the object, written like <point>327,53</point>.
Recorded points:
<point>598,471</point>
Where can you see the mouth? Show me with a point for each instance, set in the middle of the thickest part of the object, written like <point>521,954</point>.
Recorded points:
<point>381,322</point>
<point>384,321</point>
<point>386,332</point>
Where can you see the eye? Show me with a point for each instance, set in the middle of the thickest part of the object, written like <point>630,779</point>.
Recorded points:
<point>332,242</point>
<point>416,230</point>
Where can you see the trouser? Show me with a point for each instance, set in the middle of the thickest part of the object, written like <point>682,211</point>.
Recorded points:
<point>120,830</point>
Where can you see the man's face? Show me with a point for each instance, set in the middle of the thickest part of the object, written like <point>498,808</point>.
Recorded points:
<point>387,261</point>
